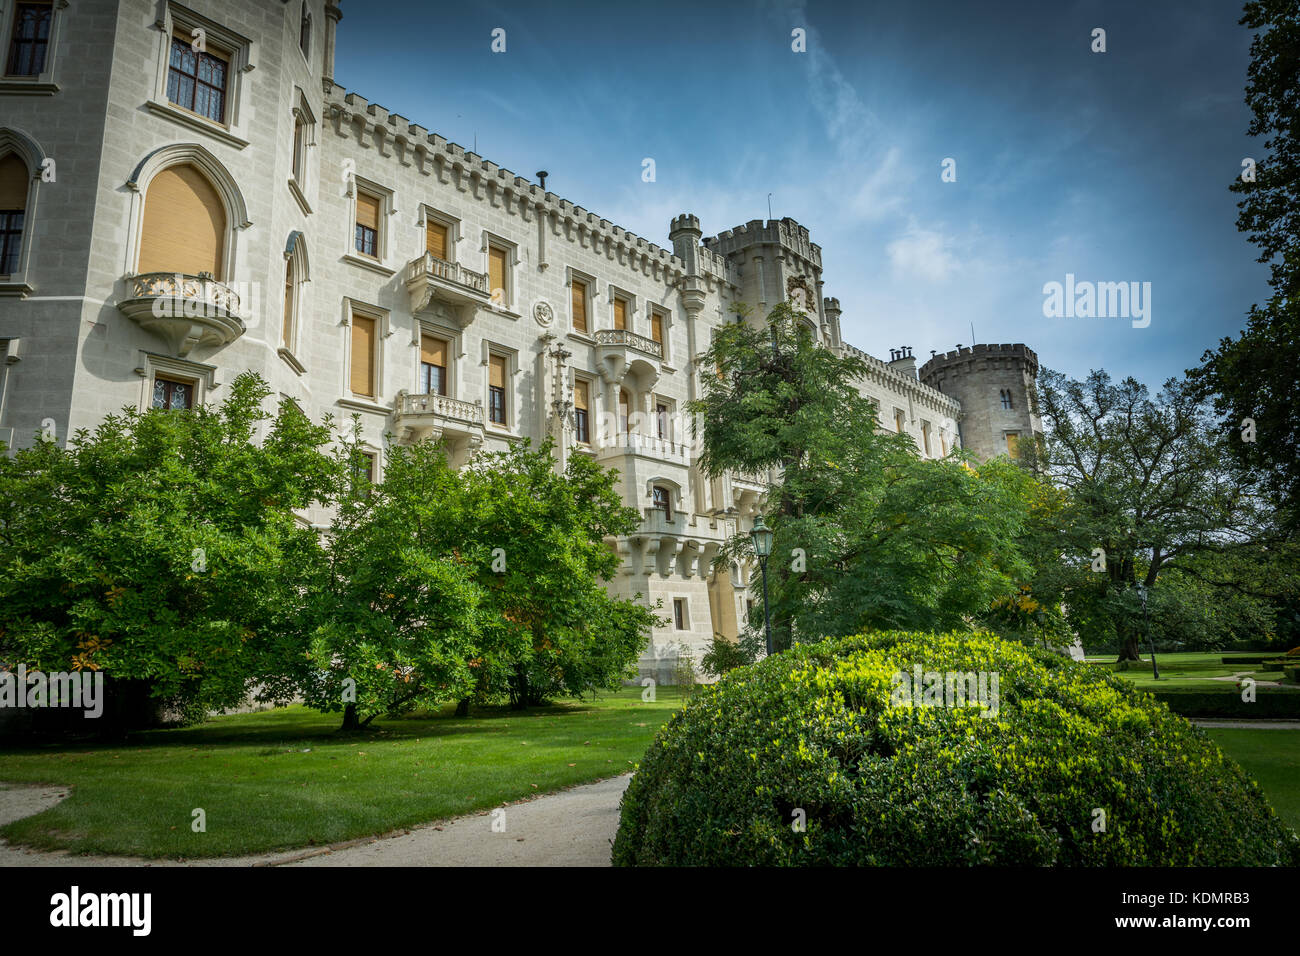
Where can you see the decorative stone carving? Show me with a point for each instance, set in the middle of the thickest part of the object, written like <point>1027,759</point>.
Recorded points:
<point>543,313</point>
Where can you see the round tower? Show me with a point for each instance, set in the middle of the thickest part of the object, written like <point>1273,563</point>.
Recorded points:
<point>999,400</point>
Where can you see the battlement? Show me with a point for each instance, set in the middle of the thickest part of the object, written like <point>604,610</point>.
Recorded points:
<point>393,135</point>
<point>978,357</point>
<point>685,223</point>
<point>784,232</point>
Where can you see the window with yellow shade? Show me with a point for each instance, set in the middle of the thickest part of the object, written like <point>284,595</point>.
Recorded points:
<point>362,367</point>
<point>184,225</point>
<point>578,305</point>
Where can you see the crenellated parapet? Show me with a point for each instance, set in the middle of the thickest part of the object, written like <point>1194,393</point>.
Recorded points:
<point>786,233</point>
<point>980,358</point>
<point>892,379</point>
<point>394,137</point>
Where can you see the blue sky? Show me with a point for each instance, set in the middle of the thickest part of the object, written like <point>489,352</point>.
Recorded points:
<point>1112,166</point>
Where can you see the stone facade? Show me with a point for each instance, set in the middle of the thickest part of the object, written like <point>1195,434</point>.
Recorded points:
<point>84,333</point>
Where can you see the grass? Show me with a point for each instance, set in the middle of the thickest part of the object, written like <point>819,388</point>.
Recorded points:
<point>1191,670</point>
<point>285,778</point>
<point>1272,757</point>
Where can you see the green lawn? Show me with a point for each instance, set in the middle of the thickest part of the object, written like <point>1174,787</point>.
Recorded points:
<point>1272,757</point>
<point>284,778</point>
<point>1190,669</point>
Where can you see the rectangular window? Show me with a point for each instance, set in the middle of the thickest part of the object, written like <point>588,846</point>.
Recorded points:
<point>679,613</point>
<point>435,239</point>
<point>363,355</point>
<point>657,327</point>
<point>297,147</point>
<point>497,275</point>
<point>11,239</point>
<point>171,394</point>
<point>898,420</point>
<point>433,365</point>
<point>197,81</point>
<point>365,468</point>
<point>620,313</point>
<point>30,40</point>
<point>1013,444</point>
<point>497,389</point>
<point>925,437</point>
<point>579,306</point>
<point>286,324</point>
<point>661,420</point>
<point>581,411</point>
<point>367,237</point>
<point>662,501</point>
<point>1006,399</point>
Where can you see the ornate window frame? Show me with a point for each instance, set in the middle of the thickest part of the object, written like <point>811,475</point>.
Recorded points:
<point>29,151</point>
<point>219,177</point>
<point>43,83</point>
<point>240,53</point>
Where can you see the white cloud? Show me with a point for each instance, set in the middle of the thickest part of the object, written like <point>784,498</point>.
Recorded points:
<point>922,254</point>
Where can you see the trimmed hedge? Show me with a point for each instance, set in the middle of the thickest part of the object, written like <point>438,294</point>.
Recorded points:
<point>813,729</point>
<point>1270,703</point>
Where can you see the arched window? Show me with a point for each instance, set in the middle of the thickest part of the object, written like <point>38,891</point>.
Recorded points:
<point>286,324</point>
<point>184,228</point>
<point>1006,398</point>
<point>14,180</point>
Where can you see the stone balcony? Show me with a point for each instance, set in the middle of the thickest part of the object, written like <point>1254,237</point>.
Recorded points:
<point>646,446</point>
<point>622,339</point>
<point>433,282</point>
<point>185,310</point>
<point>423,416</point>
<point>756,481</point>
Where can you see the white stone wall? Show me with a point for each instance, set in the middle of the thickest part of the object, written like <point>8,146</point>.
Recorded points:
<point>81,357</point>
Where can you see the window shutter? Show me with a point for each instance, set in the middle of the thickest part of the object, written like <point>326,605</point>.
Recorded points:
<point>433,351</point>
<point>286,326</point>
<point>657,327</point>
<point>580,395</point>
<point>363,355</point>
<point>184,227</point>
<point>435,239</point>
<point>579,306</point>
<point>497,271</point>
<point>620,313</point>
<point>13,183</point>
<point>497,371</point>
<point>368,211</point>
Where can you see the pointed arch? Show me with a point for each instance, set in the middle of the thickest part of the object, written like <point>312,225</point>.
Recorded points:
<point>22,162</point>
<point>214,173</point>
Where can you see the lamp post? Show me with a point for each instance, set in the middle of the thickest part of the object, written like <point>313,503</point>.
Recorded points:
<point>1146,624</point>
<point>761,535</point>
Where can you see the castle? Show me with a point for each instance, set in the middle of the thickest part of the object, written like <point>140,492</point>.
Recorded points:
<point>198,197</point>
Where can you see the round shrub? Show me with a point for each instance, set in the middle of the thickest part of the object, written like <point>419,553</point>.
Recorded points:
<point>1077,768</point>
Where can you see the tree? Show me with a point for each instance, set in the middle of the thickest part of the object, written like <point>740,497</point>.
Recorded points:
<point>1257,375</point>
<point>867,534</point>
<point>549,539</point>
<point>398,616</point>
<point>163,550</point>
<point>1148,490</point>
<point>468,585</point>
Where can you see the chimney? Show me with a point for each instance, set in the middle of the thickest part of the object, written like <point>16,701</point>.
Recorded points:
<point>903,360</point>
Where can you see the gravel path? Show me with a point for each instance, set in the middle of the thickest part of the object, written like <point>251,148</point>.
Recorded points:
<point>574,827</point>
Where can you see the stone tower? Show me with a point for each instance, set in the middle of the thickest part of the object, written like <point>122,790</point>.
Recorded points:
<point>995,385</point>
<point>776,260</point>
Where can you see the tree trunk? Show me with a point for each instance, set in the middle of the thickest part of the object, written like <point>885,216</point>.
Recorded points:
<point>519,688</point>
<point>462,707</point>
<point>1128,651</point>
<point>351,719</point>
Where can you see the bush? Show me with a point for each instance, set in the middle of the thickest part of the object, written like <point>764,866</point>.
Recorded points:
<point>814,729</point>
<point>1270,703</point>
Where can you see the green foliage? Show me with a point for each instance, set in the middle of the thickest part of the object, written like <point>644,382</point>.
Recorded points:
<point>726,655</point>
<point>814,729</point>
<point>1256,375</point>
<point>867,534</point>
<point>449,585</point>
<point>1146,482</point>
<point>162,548</point>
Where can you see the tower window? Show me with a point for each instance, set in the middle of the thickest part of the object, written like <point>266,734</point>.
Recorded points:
<point>170,394</point>
<point>1005,395</point>
<point>662,501</point>
<point>31,39</point>
<point>197,81</point>
<point>679,614</point>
